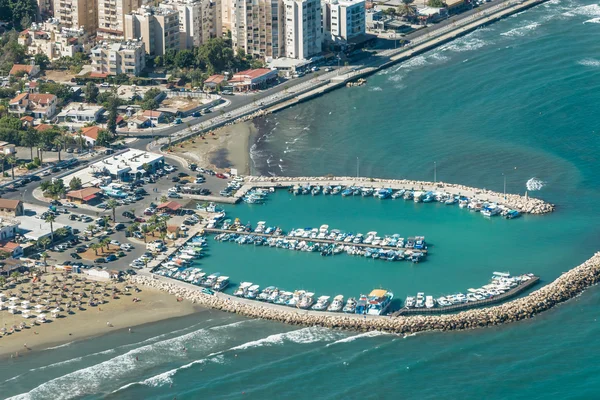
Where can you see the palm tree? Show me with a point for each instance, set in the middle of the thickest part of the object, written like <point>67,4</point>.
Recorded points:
<point>407,10</point>
<point>45,257</point>
<point>95,247</point>
<point>44,242</point>
<point>112,204</point>
<point>106,219</point>
<point>164,199</point>
<point>105,242</point>
<point>29,138</point>
<point>58,143</point>
<point>15,275</point>
<point>131,228</point>
<point>145,229</point>
<point>2,160</point>
<point>12,161</point>
<point>2,281</point>
<point>50,219</point>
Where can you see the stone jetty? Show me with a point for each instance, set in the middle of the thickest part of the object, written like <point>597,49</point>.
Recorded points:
<point>567,286</point>
<point>523,204</point>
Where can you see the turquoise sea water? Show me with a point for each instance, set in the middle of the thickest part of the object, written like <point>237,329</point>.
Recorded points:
<point>521,93</point>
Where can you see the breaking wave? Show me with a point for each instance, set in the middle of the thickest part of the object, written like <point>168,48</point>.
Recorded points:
<point>534,184</point>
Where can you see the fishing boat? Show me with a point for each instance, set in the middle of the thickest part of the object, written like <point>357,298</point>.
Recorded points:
<point>366,192</point>
<point>362,304</point>
<point>379,301</point>
<point>327,190</point>
<point>283,298</point>
<point>295,299</point>
<point>337,304</point>
<point>306,301</point>
<point>384,193</point>
<point>511,214</point>
<point>350,306</point>
<point>211,279</point>
<point>429,197</point>
<point>347,192</point>
<point>316,190</point>
<point>490,210</point>
<point>451,200</point>
<point>336,190</point>
<point>242,289</point>
<point>252,292</point>
<point>221,283</point>
<point>264,296</point>
<point>321,304</point>
<point>418,196</point>
<point>409,195</point>
<point>409,302</point>
<point>398,194</point>
<point>475,205</point>
<point>273,296</point>
<point>260,227</point>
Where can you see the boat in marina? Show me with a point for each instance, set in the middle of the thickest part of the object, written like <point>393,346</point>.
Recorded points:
<point>350,307</point>
<point>316,190</point>
<point>409,302</point>
<point>379,301</point>
<point>418,196</point>
<point>511,214</point>
<point>252,292</point>
<point>420,302</point>
<point>242,289</point>
<point>337,304</point>
<point>362,304</point>
<point>306,300</point>
<point>260,227</point>
<point>273,296</point>
<point>211,279</point>
<point>398,194</point>
<point>221,283</point>
<point>295,299</point>
<point>429,302</point>
<point>321,304</point>
<point>366,192</point>
<point>475,205</point>
<point>409,195</point>
<point>336,190</point>
<point>327,190</point>
<point>348,192</point>
<point>450,201</point>
<point>490,210</point>
<point>428,197</point>
<point>384,193</point>
<point>264,295</point>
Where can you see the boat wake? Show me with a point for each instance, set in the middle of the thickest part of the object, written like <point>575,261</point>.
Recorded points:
<point>589,62</point>
<point>521,31</point>
<point>592,21</point>
<point>360,336</point>
<point>534,184</point>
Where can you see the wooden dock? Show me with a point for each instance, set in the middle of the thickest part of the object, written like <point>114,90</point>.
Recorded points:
<point>315,240</point>
<point>470,305</point>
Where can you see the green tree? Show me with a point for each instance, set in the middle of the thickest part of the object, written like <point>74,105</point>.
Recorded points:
<point>407,9</point>
<point>12,161</point>
<point>42,60</point>
<point>91,92</point>
<point>145,229</point>
<point>58,143</point>
<point>436,3</point>
<point>44,258</point>
<point>164,199</point>
<point>216,55</point>
<point>29,138</point>
<point>75,183</point>
<point>50,219</point>
<point>2,282</point>
<point>95,247</point>
<point>112,204</point>
<point>104,138</point>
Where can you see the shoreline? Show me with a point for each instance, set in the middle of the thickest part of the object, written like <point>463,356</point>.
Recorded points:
<point>154,306</point>
<point>567,286</point>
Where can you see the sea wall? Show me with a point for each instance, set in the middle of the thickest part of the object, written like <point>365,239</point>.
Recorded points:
<point>567,286</point>
<point>523,204</point>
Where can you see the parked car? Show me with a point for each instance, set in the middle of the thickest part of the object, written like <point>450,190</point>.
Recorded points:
<point>100,260</point>
<point>208,291</point>
<point>111,257</point>
<point>175,179</point>
<point>221,176</point>
<point>119,227</point>
<point>76,256</point>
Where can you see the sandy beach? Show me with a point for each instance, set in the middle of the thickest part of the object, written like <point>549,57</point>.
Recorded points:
<point>119,313</point>
<point>227,148</point>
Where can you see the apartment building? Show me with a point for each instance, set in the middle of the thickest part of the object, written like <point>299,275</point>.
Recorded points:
<point>343,20</point>
<point>38,105</point>
<point>111,17</point>
<point>199,20</point>
<point>45,9</point>
<point>257,27</point>
<point>119,58</point>
<point>51,39</point>
<point>158,28</point>
<point>303,34</point>
<point>76,14</point>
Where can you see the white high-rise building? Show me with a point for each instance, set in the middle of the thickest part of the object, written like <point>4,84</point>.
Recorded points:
<point>343,19</point>
<point>303,34</point>
<point>158,28</point>
<point>257,27</point>
<point>199,20</point>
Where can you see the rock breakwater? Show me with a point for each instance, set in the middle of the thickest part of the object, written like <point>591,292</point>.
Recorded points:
<point>565,287</point>
<point>523,204</point>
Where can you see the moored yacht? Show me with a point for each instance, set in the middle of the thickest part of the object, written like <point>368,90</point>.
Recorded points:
<point>306,300</point>
<point>420,303</point>
<point>362,304</point>
<point>321,304</point>
<point>242,289</point>
<point>221,283</point>
<point>379,301</point>
<point>252,292</point>
<point>350,306</point>
<point>409,302</point>
<point>337,304</point>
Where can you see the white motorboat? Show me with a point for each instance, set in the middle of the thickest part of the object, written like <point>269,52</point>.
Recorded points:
<point>321,304</point>
<point>242,289</point>
<point>337,304</point>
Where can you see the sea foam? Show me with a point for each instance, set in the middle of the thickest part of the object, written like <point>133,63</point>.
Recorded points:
<point>534,184</point>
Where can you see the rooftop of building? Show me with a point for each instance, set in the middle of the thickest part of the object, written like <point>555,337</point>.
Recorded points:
<point>81,109</point>
<point>119,46</point>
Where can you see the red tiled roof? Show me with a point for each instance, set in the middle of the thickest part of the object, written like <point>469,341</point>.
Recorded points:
<point>215,79</point>
<point>19,97</point>
<point>91,132</point>
<point>84,194</point>
<point>43,98</point>
<point>11,245</point>
<point>21,67</point>
<point>150,114</point>
<point>119,119</point>
<point>171,205</point>
<point>253,73</point>
<point>98,75</point>
<point>9,204</point>
<point>27,118</point>
<point>43,127</point>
